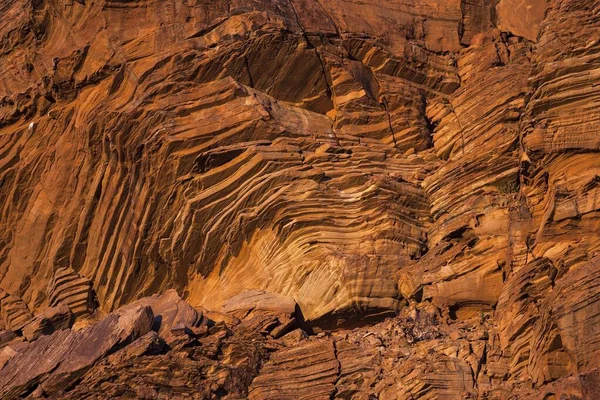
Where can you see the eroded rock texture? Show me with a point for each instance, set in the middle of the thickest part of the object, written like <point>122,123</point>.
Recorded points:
<point>292,168</point>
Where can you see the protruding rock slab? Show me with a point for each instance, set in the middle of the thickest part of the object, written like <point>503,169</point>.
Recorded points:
<point>521,17</point>
<point>259,300</point>
<point>172,315</point>
<point>57,361</point>
<point>51,320</point>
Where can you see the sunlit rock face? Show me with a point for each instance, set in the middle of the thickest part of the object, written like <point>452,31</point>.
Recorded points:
<point>351,160</point>
<point>218,148</point>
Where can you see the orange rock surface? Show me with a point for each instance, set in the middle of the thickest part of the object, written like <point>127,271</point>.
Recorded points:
<point>391,199</point>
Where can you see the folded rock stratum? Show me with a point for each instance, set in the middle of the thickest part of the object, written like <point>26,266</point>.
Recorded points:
<point>300,199</point>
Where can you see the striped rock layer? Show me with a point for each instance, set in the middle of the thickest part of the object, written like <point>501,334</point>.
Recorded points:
<point>353,157</point>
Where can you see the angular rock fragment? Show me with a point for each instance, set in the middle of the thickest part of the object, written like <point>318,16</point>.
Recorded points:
<point>51,320</point>
<point>67,287</point>
<point>57,361</point>
<point>9,351</point>
<point>172,315</point>
<point>6,337</point>
<point>13,311</point>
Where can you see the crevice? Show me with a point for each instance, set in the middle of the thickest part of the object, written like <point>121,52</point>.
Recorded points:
<point>299,23</point>
<point>461,23</point>
<point>430,125</point>
<point>330,18</point>
<point>339,372</point>
<point>247,65</point>
<point>325,76</point>
<point>460,127</point>
<point>498,63</point>
<point>337,140</point>
<point>208,29</point>
<point>318,54</point>
<point>384,103</point>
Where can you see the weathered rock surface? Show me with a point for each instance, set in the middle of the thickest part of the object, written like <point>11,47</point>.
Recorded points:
<point>54,363</point>
<point>51,320</point>
<point>521,17</point>
<point>14,313</point>
<point>67,287</point>
<point>173,317</point>
<point>306,371</point>
<point>257,300</point>
<point>201,186</point>
<point>421,353</point>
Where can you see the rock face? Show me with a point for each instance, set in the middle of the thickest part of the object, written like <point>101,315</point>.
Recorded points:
<point>300,199</point>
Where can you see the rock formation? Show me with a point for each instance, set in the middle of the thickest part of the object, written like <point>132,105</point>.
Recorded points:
<point>375,199</point>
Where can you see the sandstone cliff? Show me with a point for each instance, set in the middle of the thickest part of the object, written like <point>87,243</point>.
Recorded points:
<point>391,199</point>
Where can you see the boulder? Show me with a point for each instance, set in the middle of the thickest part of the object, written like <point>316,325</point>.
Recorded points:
<point>172,315</point>
<point>51,320</point>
